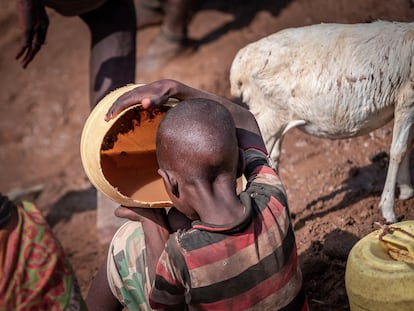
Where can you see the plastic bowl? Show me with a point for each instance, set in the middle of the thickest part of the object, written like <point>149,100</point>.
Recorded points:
<point>119,156</point>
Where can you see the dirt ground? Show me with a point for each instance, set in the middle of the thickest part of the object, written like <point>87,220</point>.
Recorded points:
<point>333,186</point>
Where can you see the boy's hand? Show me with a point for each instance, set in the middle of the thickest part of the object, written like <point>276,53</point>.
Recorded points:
<point>178,220</point>
<point>150,95</point>
<point>34,23</point>
<point>156,215</point>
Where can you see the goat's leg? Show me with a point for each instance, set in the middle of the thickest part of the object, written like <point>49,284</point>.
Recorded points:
<point>404,176</point>
<point>403,121</point>
<point>273,146</point>
<point>274,142</point>
<point>271,138</point>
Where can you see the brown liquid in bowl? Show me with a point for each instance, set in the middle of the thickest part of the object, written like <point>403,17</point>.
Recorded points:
<point>128,157</point>
<point>134,175</point>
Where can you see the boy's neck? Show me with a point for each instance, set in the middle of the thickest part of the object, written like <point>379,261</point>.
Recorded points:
<point>216,204</point>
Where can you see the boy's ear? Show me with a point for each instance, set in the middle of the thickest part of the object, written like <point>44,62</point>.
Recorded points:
<point>170,182</point>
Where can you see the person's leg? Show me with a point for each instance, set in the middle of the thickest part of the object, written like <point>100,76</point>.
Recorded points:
<point>177,18</point>
<point>172,39</point>
<point>112,65</point>
<point>113,47</point>
<point>149,13</point>
<point>100,297</point>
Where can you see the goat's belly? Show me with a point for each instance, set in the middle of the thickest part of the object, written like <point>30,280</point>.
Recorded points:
<point>339,127</point>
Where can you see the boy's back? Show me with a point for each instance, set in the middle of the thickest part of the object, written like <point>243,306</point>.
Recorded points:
<point>249,264</point>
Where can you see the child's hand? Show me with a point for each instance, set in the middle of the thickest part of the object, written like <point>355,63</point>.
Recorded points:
<point>150,95</point>
<point>178,220</point>
<point>157,215</point>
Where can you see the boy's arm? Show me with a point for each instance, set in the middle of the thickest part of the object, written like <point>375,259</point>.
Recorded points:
<point>156,230</point>
<point>158,93</point>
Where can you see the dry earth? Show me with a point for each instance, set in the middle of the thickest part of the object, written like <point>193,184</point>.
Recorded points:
<point>333,186</point>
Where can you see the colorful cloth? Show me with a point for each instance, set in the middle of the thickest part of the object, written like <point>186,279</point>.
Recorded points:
<point>127,268</point>
<point>35,274</point>
<point>251,264</point>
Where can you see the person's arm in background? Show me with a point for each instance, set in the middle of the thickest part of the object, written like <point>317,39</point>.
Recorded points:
<point>157,93</point>
<point>34,23</point>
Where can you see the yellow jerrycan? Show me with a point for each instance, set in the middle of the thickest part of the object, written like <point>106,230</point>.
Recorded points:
<point>379,272</point>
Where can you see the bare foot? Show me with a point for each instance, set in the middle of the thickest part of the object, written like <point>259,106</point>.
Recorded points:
<point>162,49</point>
<point>147,16</point>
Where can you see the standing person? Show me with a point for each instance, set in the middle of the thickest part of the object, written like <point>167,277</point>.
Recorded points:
<point>34,271</point>
<point>113,26</point>
<point>215,250</point>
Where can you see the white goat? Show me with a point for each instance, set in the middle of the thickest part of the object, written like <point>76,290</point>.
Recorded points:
<point>334,81</point>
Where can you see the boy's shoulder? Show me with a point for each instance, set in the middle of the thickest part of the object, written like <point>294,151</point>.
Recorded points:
<point>261,178</point>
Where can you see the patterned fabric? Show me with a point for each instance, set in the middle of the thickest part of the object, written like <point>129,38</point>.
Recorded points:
<point>127,269</point>
<point>35,274</point>
<point>251,264</point>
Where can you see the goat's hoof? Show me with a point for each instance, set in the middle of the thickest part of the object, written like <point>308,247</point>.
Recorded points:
<point>406,192</point>
<point>390,218</point>
<point>388,214</point>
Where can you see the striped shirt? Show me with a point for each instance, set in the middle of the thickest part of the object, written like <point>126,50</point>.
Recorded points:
<point>251,264</point>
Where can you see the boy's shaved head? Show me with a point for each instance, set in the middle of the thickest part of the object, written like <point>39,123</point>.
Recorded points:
<point>197,139</point>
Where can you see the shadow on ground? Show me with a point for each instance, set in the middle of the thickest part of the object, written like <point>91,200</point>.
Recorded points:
<point>243,11</point>
<point>362,182</point>
<point>70,203</point>
<point>323,267</point>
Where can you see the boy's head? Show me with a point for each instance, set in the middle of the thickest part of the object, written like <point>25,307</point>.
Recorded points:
<point>196,144</point>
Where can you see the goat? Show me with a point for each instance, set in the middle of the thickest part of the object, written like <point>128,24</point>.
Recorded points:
<point>334,81</point>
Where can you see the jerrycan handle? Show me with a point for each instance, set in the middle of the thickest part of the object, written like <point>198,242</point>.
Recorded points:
<point>399,243</point>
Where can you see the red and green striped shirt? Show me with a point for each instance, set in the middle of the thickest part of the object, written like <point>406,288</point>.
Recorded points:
<point>251,264</point>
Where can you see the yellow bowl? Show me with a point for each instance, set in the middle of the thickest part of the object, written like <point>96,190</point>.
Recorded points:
<point>119,156</point>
